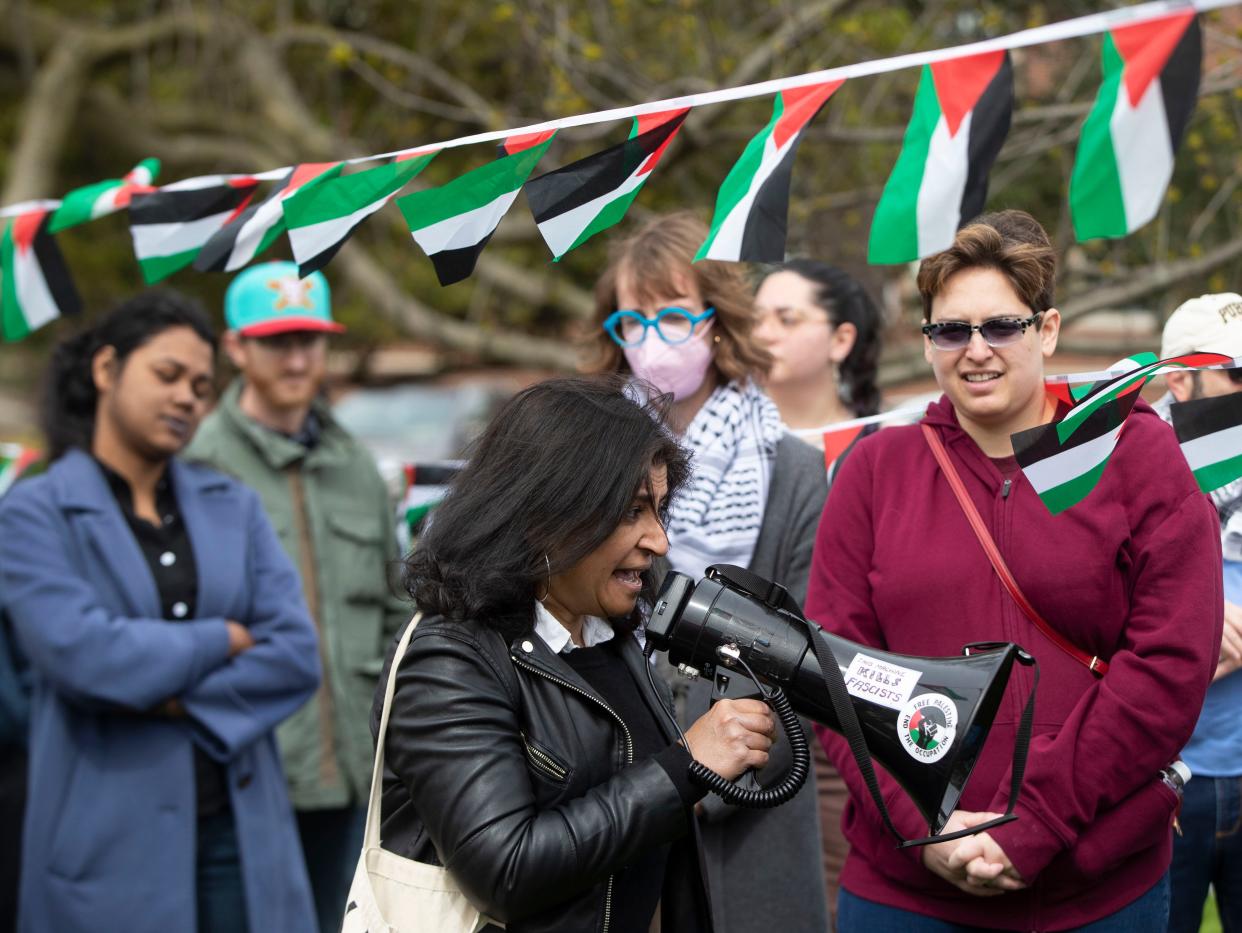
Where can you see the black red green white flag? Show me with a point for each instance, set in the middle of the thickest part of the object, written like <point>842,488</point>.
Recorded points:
<point>1127,147</point>
<point>573,203</point>
<point>1064,460</point>
<point>14,461</point>
<point>452,223</point>
<point>323,213</point>
<point>962,111</point>
<point>1210,432</point>
<point>91,202</point>
<point>171,224</point>
<point>256,228</point>
<point>35,285</point>
<point>752,207</point>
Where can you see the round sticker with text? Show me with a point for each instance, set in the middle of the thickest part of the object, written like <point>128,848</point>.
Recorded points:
<point>927,725</point>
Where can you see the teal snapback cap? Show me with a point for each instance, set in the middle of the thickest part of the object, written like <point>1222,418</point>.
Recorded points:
<point>272,298</point>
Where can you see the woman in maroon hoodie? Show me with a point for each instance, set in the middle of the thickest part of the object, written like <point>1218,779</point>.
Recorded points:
<point>1131,574</point>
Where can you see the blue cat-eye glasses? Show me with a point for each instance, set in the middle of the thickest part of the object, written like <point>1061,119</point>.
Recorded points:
<point>673,325</point>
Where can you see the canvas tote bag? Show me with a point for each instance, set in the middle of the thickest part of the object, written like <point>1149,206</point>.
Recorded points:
<point>391,894</point>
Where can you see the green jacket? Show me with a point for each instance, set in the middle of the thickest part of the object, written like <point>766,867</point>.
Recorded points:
<point>335,520</point>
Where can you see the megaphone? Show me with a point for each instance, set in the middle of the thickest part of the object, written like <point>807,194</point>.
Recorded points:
<point>924,719</point>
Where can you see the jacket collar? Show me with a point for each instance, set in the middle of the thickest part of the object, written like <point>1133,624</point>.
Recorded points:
<point>278,451</point>
<point>82,486</point>
<point>216,536</point>
<point>531,650</point>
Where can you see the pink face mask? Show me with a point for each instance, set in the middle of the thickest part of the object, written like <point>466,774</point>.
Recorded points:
<point>675,368</point>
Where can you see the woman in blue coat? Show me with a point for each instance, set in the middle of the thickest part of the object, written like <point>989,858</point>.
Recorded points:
<point>167,634</point>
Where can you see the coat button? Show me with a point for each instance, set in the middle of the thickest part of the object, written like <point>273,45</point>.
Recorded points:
<point>168,558</point>
<point>528,647</point>
<point>244,781</point>
<point>179,610</point>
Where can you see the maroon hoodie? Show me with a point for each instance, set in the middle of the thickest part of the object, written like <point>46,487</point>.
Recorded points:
<point>1132,573</point>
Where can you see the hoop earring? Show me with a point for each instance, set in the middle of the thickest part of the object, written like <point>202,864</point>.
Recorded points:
<point>547,587</point>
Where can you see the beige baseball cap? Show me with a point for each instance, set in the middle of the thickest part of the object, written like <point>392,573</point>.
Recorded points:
<point>1207,324</point>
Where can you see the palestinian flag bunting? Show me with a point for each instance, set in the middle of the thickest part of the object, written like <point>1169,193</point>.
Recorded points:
<point>1210,432</point>
<point>1064,460</point>
<point>171,224</point>
<point>454,222</point>
<point>1125,153</point>
<point>104,197</point>
<point>35,285</point>
<point>426,485</point>
<point>323,213</point>
<point>14,461</point>
<point>1062,474</point>
<point>1129,382</point>
<point>573,203</point>
<point>752,207</point>
<point>961,117</point>
<point>256,228</point>
<point>1072,393</point>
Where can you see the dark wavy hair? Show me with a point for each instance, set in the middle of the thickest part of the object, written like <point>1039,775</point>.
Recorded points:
<point>846,301</point>
<point>553,474</point>
<point>69,394</point>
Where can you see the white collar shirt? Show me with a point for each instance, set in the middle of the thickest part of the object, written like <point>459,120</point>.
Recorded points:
<point>595,631</point>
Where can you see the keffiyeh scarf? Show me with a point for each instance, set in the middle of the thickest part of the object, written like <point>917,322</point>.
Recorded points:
<point>717,517</point>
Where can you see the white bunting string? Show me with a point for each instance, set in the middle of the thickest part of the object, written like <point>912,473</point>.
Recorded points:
<point>1091,24</point>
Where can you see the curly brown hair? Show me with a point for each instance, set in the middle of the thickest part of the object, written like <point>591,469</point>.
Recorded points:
<point>659,253</point>
<point>1012,242</point>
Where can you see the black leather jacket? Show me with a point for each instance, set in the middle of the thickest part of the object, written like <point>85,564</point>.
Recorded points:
<point>505,766</point>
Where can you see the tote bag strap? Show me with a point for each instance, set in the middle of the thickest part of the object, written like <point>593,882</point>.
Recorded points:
<point>1093,663</point>
<point>371,836</point>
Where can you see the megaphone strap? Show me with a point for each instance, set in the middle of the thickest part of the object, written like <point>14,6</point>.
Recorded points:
<point>847,720</point>
<point>1021,748</point>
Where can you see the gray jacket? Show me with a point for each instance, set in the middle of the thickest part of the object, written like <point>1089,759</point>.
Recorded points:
<point>764,867</point>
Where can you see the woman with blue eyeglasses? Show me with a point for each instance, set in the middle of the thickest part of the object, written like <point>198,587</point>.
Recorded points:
<point>686,329</point>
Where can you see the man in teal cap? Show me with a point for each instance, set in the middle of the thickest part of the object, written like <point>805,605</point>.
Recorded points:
<point>326,500</point>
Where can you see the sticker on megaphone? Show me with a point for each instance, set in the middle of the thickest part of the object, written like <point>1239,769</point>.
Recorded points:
<point>927,726</point>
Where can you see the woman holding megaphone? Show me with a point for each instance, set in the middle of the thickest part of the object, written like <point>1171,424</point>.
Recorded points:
<point>1123,596</point>
<point>529,751</point>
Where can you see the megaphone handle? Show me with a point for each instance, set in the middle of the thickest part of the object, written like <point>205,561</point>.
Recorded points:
<point>738,796</point>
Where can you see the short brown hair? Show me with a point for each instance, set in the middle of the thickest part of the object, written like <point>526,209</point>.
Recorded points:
<point>659,252</point>
<point>1012,242</point>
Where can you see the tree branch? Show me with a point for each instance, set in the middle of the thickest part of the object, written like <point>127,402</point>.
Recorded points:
<point>1145,283</point>
<point>420,321</point>
<point>482,111</point>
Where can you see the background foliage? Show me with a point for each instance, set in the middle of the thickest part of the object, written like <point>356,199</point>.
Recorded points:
<point>89,87</point>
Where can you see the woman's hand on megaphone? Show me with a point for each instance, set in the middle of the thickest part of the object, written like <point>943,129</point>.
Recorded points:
<point>975,864</point>
<point>732,736</point>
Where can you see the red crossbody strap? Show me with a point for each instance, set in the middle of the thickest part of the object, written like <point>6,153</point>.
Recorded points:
<point>1093,663</point>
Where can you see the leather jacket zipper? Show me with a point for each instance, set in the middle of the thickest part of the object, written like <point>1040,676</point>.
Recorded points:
<point>629,750</point>
<point>543,762</point>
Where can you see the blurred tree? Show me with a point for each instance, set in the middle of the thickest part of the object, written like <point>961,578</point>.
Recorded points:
<point>88,87</point>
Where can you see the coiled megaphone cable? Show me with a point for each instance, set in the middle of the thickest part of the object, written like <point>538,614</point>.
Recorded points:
<point>765,797</point>
<point>777,794</point>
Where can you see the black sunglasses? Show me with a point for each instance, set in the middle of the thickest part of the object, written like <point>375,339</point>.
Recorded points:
<point>999,332</point>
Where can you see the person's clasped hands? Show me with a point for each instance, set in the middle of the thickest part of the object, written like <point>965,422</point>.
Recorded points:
<point>974,864</point>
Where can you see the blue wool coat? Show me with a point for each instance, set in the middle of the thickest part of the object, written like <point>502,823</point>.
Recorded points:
<point>111,819</point>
